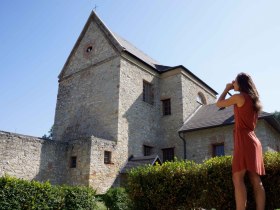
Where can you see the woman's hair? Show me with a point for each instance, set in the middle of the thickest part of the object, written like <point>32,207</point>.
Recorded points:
<point>247,85</point>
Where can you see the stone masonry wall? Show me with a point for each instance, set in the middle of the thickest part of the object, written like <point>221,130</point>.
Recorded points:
<point>138,120</point>
<point>101,50</point>
<point>103,175</point>
<point>171,87</point>
<point>32,158</point>
<point>81,149</point>
<point>87,104</point>
<point>272,137</point>
<point>199,143</point>
<point>87,101</point>
<point>190,91</point>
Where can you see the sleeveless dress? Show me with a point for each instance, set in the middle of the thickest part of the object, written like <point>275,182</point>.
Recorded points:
<point>247,152</point>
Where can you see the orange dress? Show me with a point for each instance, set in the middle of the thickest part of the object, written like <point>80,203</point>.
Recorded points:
<point>247,147</point>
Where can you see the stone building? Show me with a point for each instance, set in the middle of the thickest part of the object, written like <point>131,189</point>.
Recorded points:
<point>117,108</point>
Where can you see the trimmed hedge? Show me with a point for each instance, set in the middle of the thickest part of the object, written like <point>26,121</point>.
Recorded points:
<point>116,198</point>
<point>21,194</point>
<point>187,185</point>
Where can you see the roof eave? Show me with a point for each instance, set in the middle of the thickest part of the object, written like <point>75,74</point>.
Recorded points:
<point>193,75</point>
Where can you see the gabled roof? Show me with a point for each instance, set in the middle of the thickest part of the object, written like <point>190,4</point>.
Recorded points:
<point>122,45</point>
<point>140,161</point>
<point>209,116</point>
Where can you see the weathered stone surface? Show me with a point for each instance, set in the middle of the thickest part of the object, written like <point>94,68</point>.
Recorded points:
<point>199,143</point>
<point>32,158</point>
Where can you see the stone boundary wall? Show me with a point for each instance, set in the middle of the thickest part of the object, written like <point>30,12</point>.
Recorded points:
<point>32,158</point>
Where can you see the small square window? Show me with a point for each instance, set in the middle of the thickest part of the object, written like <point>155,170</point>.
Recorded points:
<point>148,92</point>
<point>218,150</point>
<point>147,150</point>
<point>107,157</point>
<point>73,162</point>
<point>166,107</point>
<point>168,154</point>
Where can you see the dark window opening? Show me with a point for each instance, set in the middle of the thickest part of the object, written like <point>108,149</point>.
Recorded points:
<point>147,150</point>
<point>107,157</point>
<point>218,150</point>
<point>201,98</point>
<point>148,95</point>
<point>166,107</point>
<point>73,162</point>
<point>89,49</point>
<point>168,154</point>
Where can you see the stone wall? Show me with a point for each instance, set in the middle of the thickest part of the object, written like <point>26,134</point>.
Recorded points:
<point>199,143</point>
<point>190,90</point>
<point>138,120</point>
<point>32,158</point>
<point>272,137</point>
<point>171,87</point>
<point>81,149</point>
<point>80,58</point>
<point>87,101</point>
<point>87,104</point>
<point>103,175</point>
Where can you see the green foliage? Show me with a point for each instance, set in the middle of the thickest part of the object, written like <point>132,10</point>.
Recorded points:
<point>21,194</point>
<point>218,191</point>
<point>271,181</point>
<point>277,115</point>
<point>79,198</point>
<point>49,136</point>
<point>186,185</point>
<point>117,199</point>
<point>167,186</point>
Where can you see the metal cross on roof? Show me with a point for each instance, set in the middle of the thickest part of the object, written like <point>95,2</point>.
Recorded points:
<point>95,7</point>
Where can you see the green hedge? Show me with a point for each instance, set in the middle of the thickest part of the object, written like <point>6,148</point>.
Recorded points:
<point>24,195</point>
<point>116,198</point>
<point>187,185</point>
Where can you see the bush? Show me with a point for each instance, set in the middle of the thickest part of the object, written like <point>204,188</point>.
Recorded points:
<point>21,194</point>
<point>186,185</point>
<point>171,185</point>
<point>79,198</point>
<point>116,199</point>
<point>218,191</point>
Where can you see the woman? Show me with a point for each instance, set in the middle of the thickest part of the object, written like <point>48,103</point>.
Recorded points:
<point>247,155</point>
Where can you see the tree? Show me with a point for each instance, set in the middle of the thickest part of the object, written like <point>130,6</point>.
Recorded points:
<point>277,116</point>
<point>49,136</point>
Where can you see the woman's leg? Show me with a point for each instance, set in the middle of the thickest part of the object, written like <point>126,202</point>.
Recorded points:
<point>259,191</point>
<point>240,190</point>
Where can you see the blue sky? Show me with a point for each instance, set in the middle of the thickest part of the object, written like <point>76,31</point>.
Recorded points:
<point>215,39</point>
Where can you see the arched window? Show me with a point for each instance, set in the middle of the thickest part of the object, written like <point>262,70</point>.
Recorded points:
<point>201,98</point>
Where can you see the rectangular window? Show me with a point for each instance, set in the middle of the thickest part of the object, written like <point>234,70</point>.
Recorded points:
<point>107,157</point>
<point>168,154</point>
<point>148,95</point>
<point>147,150</point>
<point>218,150</point>
<point>166,107</point>
<point>73,162</point>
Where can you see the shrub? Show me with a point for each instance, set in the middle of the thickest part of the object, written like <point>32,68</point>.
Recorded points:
<point>186,185</point>
<point>218,191</point>
<point>171,185</point>
<point>21,194</point>
<point>79,198</point>
<point>116,199</point>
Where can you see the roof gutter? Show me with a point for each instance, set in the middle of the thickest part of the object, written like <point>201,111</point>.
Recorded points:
<point>185,144</point>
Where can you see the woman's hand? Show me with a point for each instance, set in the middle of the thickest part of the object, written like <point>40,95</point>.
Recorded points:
<point>229,87</point>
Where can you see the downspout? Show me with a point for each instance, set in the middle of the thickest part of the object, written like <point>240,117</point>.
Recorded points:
<point>185,145</point>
